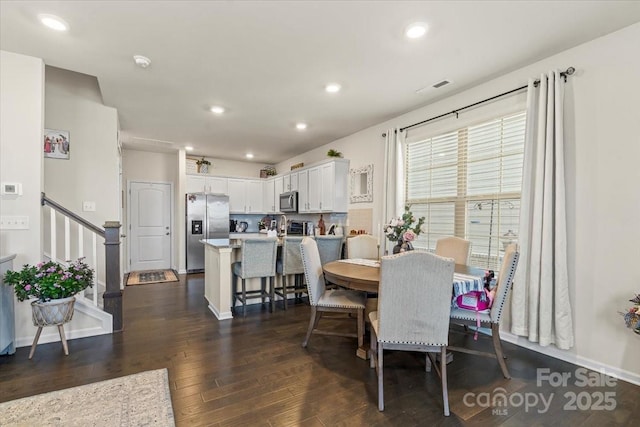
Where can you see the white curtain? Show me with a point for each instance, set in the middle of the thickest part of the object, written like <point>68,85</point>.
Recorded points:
<point>540,306</point>
<point>394,178</point>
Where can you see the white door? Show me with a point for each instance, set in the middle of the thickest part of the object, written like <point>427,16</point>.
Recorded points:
<point>149,226</point>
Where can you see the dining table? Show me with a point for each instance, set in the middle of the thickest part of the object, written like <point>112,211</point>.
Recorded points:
<point>364,275</point>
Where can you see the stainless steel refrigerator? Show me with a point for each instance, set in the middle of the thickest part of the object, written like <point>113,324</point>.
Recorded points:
<point>207,217</point>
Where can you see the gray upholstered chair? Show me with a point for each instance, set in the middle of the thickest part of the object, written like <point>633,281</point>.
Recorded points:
<point>323,300</point>
<point>258,259</point>
<point>414,302</point>
<point>330,248</point>
<point>362,246</point>
<point>290,264</point>
<point>454,247</point>
<point>491,319</point>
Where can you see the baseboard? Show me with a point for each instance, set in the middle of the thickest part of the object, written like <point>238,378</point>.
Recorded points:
<point>220,316</point>
<point>182,271</point>
<point>613,371</point>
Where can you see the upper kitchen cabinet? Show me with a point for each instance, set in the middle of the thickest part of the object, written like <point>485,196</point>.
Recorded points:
<point>245,196</point>
<point>323,188</point>
<point>206,184</point>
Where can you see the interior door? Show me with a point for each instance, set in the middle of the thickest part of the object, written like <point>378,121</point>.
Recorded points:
<point>150,226</point>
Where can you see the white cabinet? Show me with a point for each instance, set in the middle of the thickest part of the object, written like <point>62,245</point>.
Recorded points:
<point>206,184</point>
<point>195,184</point>
<point>269,199</point>
<point>245,196</point>
<point>324,188</point>
<point>216,185</point>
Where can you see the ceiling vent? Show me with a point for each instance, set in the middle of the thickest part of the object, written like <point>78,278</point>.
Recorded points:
<point>441,83</point>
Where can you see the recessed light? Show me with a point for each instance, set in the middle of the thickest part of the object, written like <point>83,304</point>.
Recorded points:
<point>249,156</point>
<point>417,30</point>
<point>301,126</point>
<point>332,87</point>
<point>217,110</point>
<point>141,61</point>
<point>53,22</point>
<point>188,148</point>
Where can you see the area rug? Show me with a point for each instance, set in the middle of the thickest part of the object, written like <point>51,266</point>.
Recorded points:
<point>151,276</point>
<point>133,400</point>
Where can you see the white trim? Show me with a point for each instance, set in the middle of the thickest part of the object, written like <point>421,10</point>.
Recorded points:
<point>614,371</point>
<point>220,316</point>
<point>183,271</point>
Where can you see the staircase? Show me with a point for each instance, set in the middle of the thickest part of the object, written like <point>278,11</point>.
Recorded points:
<point>81,239</point>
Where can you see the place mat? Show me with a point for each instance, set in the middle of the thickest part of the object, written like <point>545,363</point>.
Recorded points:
<point>132,400</point>
<point>361,261</point>
<point>151,276</point>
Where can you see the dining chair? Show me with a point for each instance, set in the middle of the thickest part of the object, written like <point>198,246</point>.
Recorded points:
<point>491,318</point>
<point>257,259</point>
<point>454,247</point>
<point>290,264</point>
<point>330,248</point>
<point>324,300</point>
<point>362,246</point>
<point>413,312</point>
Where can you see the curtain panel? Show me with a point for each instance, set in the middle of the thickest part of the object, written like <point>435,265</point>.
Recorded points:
<point>540,306</point>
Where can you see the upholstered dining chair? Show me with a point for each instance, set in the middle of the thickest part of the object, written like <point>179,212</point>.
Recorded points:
<point>454,247</point>
<point>257,259</point>
<point>362,246</point>
<point>290,264</point>
<point>413,312</point>
<point>323,300</point>
<point>491,319</point>
<point>329,247</point>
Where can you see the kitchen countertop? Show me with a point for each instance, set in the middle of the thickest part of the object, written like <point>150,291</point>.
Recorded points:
<point>231,243</point>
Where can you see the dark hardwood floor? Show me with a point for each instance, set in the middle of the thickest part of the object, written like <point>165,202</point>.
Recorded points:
<point>253,371</point>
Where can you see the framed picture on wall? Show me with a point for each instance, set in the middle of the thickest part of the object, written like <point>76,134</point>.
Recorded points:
<point>56,144</point>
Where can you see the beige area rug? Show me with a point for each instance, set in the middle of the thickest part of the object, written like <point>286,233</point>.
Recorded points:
<point>151,276</point>
<point>133,400</point>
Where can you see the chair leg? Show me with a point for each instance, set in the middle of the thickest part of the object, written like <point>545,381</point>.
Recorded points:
<point>35,342</point>
<point>263,288</point>
<point>284,291</point>
<point>497,345</point>
<point>373,348</point>
<point>272,293</point>
<point>312,323</point>
<point>244,298</point>
<point>63,339</point>
<point>361,328</point>
<point>234,291</point>
<point>380,378</point>
<point>427,363</point>
<point>443,376</point>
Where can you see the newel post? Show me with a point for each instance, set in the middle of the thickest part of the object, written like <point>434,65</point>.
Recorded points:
<point>113,295</point>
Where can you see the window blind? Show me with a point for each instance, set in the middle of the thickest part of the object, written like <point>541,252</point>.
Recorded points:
<point>467,183</point>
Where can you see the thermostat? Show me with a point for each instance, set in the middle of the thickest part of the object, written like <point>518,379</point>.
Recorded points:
<point>11,189</point>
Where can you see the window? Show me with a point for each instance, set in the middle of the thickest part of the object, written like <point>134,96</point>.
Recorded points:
<point>467,183</point>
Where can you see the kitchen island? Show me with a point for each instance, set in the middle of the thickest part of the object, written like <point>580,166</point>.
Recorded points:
<point>219,254</point>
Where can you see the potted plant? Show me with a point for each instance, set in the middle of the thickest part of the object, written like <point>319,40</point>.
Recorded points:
<point>203,165</point>
<point>334,153</point>
<point>53,286</point>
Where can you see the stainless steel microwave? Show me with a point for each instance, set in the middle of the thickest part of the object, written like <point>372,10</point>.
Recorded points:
<point>289,202</point>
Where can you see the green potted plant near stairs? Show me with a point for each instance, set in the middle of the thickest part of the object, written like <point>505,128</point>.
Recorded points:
<point>52,287</point>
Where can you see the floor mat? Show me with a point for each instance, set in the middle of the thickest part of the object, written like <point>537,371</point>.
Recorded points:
<point>151,276</point>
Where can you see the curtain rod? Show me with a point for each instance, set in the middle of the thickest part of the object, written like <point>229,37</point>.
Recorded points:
<point>569,71</point>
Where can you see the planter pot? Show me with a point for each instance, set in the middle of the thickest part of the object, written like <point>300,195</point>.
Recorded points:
<point>54,312</point>
<point>402,246</point>
<point>204,169</point>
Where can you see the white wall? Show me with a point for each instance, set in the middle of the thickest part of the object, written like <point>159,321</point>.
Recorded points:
<point>602,133</point>
<point>232,167</point>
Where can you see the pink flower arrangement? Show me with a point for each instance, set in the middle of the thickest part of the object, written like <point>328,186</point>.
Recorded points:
<point>404,227</point>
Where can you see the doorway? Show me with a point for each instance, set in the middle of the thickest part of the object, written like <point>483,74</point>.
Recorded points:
<point>149,225</point>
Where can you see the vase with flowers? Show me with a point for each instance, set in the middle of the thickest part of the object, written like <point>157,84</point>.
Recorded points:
<point>52,287</point>
<point>404,230</point>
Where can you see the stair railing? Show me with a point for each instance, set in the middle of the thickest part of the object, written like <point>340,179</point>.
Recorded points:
<point>112,297</point>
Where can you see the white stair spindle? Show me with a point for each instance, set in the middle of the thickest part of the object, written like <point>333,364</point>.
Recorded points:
<point>80,241</point>
<point>54,244</point>
<point>67,239</point>
<point>95,270</point>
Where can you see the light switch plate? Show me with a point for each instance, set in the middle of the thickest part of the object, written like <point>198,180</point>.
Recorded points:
<point>14,222</point>
<point>11,189</point>
<point>89,206</point>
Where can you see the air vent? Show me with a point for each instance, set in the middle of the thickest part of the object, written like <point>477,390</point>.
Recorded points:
<point>441,83</point>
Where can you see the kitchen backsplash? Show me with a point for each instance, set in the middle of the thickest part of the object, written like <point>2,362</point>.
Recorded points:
<point>329,218</point>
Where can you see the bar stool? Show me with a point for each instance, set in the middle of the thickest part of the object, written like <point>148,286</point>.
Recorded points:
<point>258,259</point>
<point>290,263</point>
<point>330,248</point>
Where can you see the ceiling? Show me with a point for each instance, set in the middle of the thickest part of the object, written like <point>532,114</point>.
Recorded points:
<point>267,62</point>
